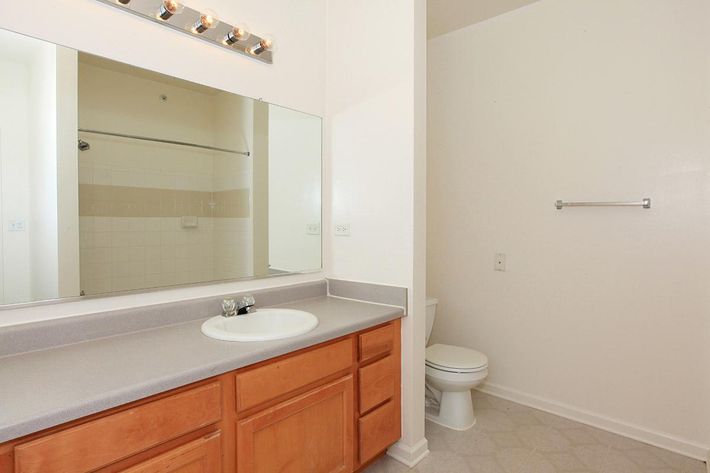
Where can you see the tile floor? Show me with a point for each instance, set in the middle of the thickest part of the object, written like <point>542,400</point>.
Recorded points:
<point>510,438</point>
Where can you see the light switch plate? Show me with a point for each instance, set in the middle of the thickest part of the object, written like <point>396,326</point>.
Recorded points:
<point>342,229</point>
<point>313,229</point>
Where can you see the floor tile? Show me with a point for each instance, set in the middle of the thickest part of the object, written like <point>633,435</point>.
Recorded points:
<point>617,462</point>
<point>471,442</point>
<point>644,458</point>
<point>537,463</point>
<point>506,439</point>
<point>565,461</point>
<point>544,439</point>
<point>484,464</point>
<point>482,403</point>
<point>493,420</point>
<point>678,462</point>
<point>443,461</point>
<point>387,465</point>
<point>510,438</point>
<point>580,436</point>
<point>555,421</point>
<point>592,456</point>
<point>513,460</point>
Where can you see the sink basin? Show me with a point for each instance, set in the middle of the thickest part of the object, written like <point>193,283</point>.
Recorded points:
<point>260,325</point>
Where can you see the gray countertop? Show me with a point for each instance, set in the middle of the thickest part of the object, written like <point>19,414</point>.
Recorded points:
<point>46,388</point>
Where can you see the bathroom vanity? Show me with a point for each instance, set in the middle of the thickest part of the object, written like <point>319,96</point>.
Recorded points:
<point>329,407</point>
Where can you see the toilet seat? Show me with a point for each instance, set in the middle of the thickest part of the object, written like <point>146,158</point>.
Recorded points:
<point>453,359</point>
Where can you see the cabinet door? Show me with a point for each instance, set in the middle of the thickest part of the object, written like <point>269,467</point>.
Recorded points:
<point>199,456</point>
<point>310,433</point>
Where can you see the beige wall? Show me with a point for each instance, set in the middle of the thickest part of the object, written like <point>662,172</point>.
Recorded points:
<point>602,313</point>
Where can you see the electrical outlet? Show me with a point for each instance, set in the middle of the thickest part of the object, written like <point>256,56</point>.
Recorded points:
<point>313,229</point>
<point>16,226</point>
<point>342,229</point>
<point>499,262</point>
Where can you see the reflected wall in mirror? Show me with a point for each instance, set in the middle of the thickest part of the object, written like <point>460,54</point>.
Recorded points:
<point>116,178</point>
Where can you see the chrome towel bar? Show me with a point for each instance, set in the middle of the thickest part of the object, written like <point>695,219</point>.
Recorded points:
<point>645,203</point>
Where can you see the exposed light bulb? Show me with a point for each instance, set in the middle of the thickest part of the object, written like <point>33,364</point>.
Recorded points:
<point>238,33</point>
<point>266,44</point>
<point>207,20</point>
<point>169,8</point>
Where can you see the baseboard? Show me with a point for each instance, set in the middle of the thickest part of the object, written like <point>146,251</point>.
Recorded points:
<point>657,439</point>
<point>409,455</point>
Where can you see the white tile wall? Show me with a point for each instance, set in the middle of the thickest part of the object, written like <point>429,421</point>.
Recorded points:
<point>126,253</point>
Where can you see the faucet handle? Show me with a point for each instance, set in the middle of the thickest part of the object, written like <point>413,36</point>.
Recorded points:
<point>229,307</point>
<point>245,303</point>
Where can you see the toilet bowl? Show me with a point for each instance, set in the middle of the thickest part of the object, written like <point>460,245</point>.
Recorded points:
<point>451,373</point>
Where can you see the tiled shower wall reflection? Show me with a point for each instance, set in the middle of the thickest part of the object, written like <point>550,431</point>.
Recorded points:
<point>133,200</point>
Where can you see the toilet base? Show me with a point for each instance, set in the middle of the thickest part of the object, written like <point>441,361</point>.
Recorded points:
<point>455,411</point>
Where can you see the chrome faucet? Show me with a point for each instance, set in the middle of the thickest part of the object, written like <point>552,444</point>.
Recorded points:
<point>245,304</point>
<point>232,307</point>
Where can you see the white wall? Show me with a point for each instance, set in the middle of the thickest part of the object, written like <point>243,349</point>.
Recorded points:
<point>29,168</point>
<point>296,80</point>
<point>42,176</point>
<point>602,313</point>
<point>294,189</point>
<point>15,198</point>
<point>374,141</point>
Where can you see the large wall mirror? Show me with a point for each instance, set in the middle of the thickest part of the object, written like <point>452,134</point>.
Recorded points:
<point>115,178</point>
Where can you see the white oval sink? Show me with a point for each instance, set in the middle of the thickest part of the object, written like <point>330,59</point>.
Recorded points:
<point>260,325</point>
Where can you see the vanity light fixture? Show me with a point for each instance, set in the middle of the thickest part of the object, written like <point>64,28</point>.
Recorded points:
<point>265,44</point>
<point>201,24</point>
<point>207,20</point>
<point>236,34</point>
<point>169,8</point>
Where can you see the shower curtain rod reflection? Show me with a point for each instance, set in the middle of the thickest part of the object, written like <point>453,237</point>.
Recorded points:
<point>159,140</point>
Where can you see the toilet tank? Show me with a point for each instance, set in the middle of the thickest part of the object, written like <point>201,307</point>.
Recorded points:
<point>430,315</point>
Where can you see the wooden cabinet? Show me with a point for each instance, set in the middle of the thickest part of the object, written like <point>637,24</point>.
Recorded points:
<point>378,383</point>
<point>378,430</point>
<point>199,456</point>
<point>106,440</point>
<point>331,408</point>
<point>310,433</point>
<point>278,378</point>
<point>379,391</point>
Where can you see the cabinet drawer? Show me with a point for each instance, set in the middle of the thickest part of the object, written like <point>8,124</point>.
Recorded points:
<point>377,383</point>
<point>378,430</point>
<point>200,456</point>
<point>376,342</point>
<point>278,378</point>
<point>103,441</point>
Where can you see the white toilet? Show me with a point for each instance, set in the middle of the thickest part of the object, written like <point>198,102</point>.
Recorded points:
<point>451,373</point>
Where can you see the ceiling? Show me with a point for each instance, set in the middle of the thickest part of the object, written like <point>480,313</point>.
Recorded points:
<point>444,16</point>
